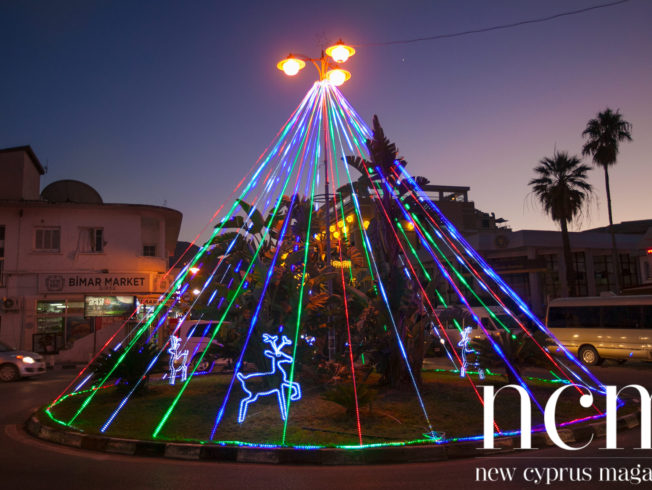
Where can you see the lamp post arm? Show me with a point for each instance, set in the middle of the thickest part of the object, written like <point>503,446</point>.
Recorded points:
<point>322,64</point>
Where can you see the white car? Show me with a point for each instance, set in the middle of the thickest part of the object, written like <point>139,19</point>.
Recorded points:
<point>15,364</point>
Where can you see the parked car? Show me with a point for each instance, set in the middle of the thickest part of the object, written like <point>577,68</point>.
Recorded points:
<point>16,364</point>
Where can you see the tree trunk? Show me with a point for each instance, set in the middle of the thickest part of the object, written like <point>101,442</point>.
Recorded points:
<point>614,249</point>
<point>568,259</point>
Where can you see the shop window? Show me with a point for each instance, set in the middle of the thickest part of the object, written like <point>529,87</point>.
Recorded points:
<point>579,267</point>
<point>91,240</point>
<point>150,229</point>
<point>149,250</point>
<point>62,318</point>
<point>603,269</point>
<point>551,283</point>
<point>628,270</point>
<point>47,239</point>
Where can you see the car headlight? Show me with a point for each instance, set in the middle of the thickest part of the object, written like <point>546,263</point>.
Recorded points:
<point>26,359</point>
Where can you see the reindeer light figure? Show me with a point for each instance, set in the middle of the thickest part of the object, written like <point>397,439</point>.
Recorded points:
<point>278,357</point>
<point>175,357</point>
<point>466,350</point>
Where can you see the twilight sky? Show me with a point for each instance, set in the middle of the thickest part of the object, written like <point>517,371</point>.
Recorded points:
<point>172,102</point>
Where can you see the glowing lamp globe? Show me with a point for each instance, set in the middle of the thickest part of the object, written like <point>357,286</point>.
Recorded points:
<point>290,66</point>
<point>340,52</point>
<point>337,76</point>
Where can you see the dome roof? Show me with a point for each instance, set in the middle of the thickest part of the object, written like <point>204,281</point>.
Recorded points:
<point>71,191</point>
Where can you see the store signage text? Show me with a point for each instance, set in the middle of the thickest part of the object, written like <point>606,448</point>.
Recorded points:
<point>106,282</point>
<point>93,283</point>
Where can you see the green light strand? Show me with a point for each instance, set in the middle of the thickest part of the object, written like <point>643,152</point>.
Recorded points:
<point>441,298</point>
<point>457,325</point>
<point>306,248</point>
<point>414,252</point>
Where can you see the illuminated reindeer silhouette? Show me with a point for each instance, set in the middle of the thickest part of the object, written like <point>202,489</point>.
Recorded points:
<point>175,356</point>
<point>277,357</point>
<point>464,343</point>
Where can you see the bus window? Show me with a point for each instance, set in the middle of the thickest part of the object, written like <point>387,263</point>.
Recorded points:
<point>574,317</point>
<point>647,316</point>
<point>621,316</point>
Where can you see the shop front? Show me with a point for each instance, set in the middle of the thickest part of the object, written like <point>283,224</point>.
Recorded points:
<point>77,313</point>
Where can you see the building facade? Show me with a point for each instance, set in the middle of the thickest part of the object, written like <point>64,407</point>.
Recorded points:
<point>73,268</point>
<point>531,262</point>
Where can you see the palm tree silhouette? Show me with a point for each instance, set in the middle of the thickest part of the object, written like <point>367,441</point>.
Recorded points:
<point>604,133</point>
<point>562,190</point>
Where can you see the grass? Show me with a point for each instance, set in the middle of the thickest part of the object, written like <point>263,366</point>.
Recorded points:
<point>396,415</point>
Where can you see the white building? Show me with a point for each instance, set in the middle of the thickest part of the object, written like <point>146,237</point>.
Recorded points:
<point>65,256</point>
<point>531,262</point>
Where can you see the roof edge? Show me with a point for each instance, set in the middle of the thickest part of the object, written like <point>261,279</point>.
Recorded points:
<point>27,149</point>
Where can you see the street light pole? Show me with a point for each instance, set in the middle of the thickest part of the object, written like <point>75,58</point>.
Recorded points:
<point>331,329</point>
<point>291,66</point>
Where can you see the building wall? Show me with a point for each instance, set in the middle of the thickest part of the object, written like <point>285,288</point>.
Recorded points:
<point>41,288</point>
<point>20,175</point>
<point>531,262</point>
<point>121,262</point>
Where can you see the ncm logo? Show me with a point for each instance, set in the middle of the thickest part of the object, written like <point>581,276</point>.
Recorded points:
<point>586,400</point>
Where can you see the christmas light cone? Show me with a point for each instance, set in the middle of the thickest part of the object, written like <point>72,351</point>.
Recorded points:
<point>302,322</point>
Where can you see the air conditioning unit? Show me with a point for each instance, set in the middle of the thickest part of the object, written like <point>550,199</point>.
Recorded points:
<point>10,304</point>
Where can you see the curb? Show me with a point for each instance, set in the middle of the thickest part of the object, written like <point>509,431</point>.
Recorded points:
<point>322,456</point>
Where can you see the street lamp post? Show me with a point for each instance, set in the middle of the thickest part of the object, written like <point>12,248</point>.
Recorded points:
<point>330,71</point>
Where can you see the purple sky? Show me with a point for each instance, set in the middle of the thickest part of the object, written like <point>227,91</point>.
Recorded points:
<point>157,101</point>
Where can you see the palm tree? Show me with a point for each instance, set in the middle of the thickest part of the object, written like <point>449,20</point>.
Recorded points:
<point>562,190</point>
<point>604,133</point>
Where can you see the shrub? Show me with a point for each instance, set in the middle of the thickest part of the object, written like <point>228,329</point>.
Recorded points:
<point>343,395</point>
<point>131,369</point>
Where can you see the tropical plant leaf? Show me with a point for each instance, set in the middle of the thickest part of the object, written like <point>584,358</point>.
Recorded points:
<point>317,301</point>
<point>233,222</point>
<point>256,218</point>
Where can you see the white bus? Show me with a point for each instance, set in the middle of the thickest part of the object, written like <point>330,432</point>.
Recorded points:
<point>603,327</point>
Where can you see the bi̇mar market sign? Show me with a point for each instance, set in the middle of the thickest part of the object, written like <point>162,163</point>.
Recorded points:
<point>93,283</point>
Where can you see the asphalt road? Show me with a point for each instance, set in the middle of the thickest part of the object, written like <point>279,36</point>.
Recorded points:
<point>27,463</point>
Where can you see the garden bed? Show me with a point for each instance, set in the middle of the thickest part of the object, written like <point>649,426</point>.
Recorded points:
<point>395,415</point>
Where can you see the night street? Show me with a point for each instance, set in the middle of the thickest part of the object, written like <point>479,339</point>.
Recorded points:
<point>33,464</point>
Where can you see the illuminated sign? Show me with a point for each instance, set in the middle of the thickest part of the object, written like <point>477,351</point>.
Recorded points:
<point>341,264</point>
<point>109,305</point>
<point>89,283</point>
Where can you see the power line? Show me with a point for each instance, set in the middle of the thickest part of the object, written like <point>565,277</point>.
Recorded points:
<point>498,27</point>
